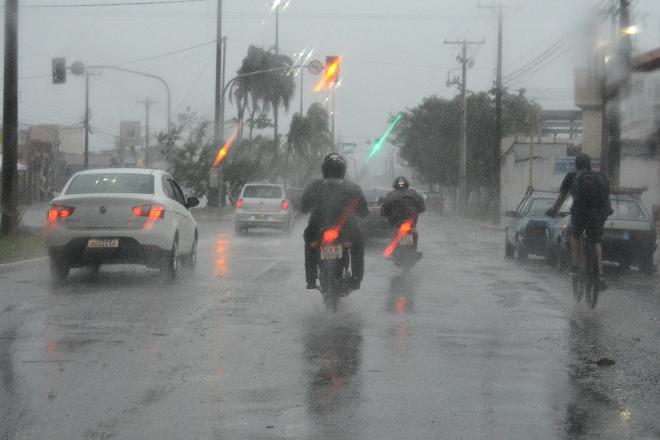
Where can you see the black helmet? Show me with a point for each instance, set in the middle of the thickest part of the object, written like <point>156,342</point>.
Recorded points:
<point>583,162</point>
<point>401,183</point>
<point>334,166</point>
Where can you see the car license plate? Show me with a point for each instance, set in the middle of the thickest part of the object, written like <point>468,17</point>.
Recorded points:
<point>331,252</point>
<point>616,235</point>
<point>96,243</point>
<point>406,240</point>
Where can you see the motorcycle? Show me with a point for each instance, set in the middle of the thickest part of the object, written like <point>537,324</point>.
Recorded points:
<point>334,263</point>
<point>405,253</point>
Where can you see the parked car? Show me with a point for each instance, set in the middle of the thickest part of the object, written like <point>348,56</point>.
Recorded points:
<point>375,223</point>
<point>629,236</point>
<point>263,205</point>
<point>525,234</point>
<point>118,216</point>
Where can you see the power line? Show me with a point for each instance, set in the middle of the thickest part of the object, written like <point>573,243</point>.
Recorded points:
<point>96,5</point>
<point>167,54</point>
<point>557,48</point>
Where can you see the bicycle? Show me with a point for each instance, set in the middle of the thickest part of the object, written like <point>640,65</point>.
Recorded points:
<point>587,279</point>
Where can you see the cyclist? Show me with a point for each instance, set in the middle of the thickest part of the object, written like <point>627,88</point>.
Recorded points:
<point>403,204</point>
<point>334,201</point>
<point>591,207</point>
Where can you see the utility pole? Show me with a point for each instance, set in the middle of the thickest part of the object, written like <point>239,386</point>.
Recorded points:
<point>499,92</point>
<point>533,124</point>
<point>624,49</point>
<point>276,115</point>
<point>86,155</point>
<point>218,135</point>
<point>462,163</point>
<point>148,102</point>
<point>10,121</point>
<point>332,114</point>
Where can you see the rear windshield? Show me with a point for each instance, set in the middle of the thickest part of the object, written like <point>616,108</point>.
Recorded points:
<point>538,207</point>
<point>112,183</point>
<point>626,210</point>
<point>262,192</point>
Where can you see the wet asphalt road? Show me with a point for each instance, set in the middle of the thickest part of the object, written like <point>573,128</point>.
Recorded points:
<point>467,346</point>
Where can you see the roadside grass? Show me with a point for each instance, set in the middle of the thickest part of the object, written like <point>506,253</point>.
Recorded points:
<point>22,245</point>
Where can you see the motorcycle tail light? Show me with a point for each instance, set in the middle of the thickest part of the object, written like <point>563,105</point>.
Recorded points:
<point>330,236</point>
<point>239,203</point>
<point>405,228</point>
<point>57,211</point>
<point>152,212</point>
<point>285,204</point>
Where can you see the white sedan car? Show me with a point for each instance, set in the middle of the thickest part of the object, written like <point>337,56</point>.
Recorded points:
<point>121,216</point>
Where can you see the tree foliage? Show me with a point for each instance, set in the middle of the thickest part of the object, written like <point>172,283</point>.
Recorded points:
<point>189,150</point>
<point>263,92</point>
<point>308,142</point>
<point>429,136</point>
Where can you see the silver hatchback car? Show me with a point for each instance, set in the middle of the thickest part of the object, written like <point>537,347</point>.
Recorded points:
<point>263,205</point>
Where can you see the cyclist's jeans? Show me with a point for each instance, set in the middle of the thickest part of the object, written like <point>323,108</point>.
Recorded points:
<point>312,234</point>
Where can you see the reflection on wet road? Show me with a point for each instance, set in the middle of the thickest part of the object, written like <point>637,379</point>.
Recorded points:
<point>333,355</point>
<point>465,345</point>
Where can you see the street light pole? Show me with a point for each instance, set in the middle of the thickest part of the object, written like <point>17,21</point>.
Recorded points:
<point>86,155</point>
<point>302,74</point>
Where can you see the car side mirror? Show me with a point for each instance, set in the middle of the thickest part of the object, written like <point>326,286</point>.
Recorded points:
<point>192,202</point>
<point>511,214</point>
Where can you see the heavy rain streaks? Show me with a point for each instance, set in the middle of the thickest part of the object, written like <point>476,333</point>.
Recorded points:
<point>330,220</point>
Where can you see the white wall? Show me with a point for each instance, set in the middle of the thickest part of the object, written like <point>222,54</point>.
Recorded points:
<point>639,172</point>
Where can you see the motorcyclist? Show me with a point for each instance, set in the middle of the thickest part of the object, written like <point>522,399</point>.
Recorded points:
<point>588,212</point>
<point>333,201</point>
<point>402,204</point>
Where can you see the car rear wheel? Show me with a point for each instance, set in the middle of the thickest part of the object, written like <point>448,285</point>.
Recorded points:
<point>191,260</point>
<point>519,252</point>
<point>240,230</point>
<point>59,269</point>
<point>552,256</point>
<point>563,256</point>
<point>508,249</point>
<point>646,264</point>
<point>171,261</point>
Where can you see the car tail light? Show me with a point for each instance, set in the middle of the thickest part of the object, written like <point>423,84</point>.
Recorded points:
<point>239,203</point>
<point>153,212</point>
<point>58,211</point>
<point>285,204</point>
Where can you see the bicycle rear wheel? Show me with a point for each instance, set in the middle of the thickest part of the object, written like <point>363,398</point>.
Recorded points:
<point>592,275</point>
<point>578,287</point>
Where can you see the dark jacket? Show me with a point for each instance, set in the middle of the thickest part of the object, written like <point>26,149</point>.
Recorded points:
<point>333,202</point>
<point>401,205</point>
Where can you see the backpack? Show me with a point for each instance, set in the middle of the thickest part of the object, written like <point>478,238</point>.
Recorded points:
<point>590,191</point>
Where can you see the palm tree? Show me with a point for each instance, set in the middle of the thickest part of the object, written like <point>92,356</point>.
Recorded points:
<point>264,91</point>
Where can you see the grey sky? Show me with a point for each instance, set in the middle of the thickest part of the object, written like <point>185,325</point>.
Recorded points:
<point>393,54</point>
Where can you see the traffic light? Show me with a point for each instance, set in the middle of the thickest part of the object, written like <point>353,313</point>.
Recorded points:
<point>332,69</point>
<point>330,73</point>
<point>59,70</point>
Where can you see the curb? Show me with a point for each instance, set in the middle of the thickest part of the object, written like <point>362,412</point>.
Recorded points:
<point>5,267</point>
